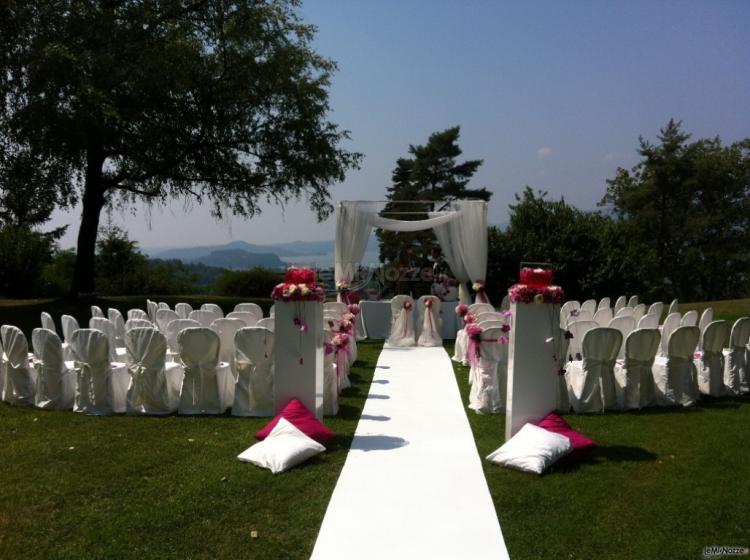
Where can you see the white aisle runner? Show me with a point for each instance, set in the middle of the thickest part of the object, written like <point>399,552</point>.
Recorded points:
<point>412,485</point>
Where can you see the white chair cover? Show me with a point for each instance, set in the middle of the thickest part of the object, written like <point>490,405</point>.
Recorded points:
<point>591,382</point>
<point>673,307</point>
<point>604,303</point>
<point>102,387</point>
<point>162,305</point>
<point>55,382</point>
<point>639,311</point>
<point>213,308</point>
<point>69,326</point>
<point>504,304</point>
<point>706,319</point>
<point>151,308</point>
<point>477,308</point>
<point>337,307</point>
<point>589,306</point>
<point>635,381</point>
<point>208,387</point>
<point>402,322</point>
<point>253,308</point>
<point>272,310</point>
<point>174,328</point>
<point>582,315</point>
<point>487,393</point>
<point>603,316</point>
<point>649,321</point>
<point>428,321</point>
<point>164,317</point>
<point>253,366</point>
<point>48,322</point>
<point>491,324</point>
<point>459,348</point>
<point>625,312</point>
<point>118,321</point>
<point>735,359</point>
<point>155,385</point>
<point>656,308</point>
<point>20,377</point>
<point>620,302</point>
<point>710,364</point>
<point>689,319</point>
<point>671,323</point>
<point>566,309</point>
<point>247,317</point>
<point>675,376</point>
<point>489,316</point>
<point>138,324</point>
<point>105,325</point>
<point>96,311</point>
<point>138,314</point>
<point>625,324</point>
<point>227,329</point>
<point>204,316</point>
<point>183,310</point>
<point>633,301</point>
<point>578,329</point>
<point>267,323</point>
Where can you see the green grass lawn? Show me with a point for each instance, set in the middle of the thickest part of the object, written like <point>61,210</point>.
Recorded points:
<point>664,483</point>
<point>74,486</point>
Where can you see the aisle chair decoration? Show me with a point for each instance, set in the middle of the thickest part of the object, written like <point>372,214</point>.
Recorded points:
<point>459,354</point>
<point>537,348</point>
<point>488,378</point>
<point>343,287</point>
<point>340,344</point>
<point>298,352</point>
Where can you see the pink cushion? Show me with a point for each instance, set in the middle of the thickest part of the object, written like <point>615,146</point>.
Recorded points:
<point>581,444</point>
<point>304,420</point>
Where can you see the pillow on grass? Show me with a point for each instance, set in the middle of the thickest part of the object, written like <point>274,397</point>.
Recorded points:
<point>581,444</point>
<point>285,447</point>
<point>532,449</point>
<point>305,421</point>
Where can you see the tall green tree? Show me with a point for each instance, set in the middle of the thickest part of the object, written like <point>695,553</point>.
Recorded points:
<point>216,101</point>
<point>685,213</point>
<point>432,173</point>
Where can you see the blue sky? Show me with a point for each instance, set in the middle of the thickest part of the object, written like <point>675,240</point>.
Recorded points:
<point>549,94</point>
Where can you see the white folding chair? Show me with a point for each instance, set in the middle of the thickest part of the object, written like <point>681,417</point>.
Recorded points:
<point>633,301</point>
<point>151,309</point>
<point>207,387</point>
<point>48,322</point>
<point>402,322</point>
<point>620,302</point>
<point>253,366</point>
<point>155,386</point>
<point>226,329</point>
<point>55,382</point>
<point>102,387</point>
<point>625,312</point>
<point>578,330</point>
<point>566,309</point>
<point>428,321</point>
<point>183,310</point>
<point>689,319</point>
<point>589,306</point>
<point>118,322</point>
<point>69,326</point>
<point>164,317</point>
<point>582,315</point>
<point>710,364</point>
<point>675,377</point>
<point>488,389</point>
<point>604,303</point>
<point>635,381</point>
<point>591,381</point>
<point>213,308</point>
<point>706,319</point>
<point>267,323</point>
<point>639,311</point>
<point>138,314</point>
<point>673,307</point>
<point>671,323</point>
<point>735,359</point>
<point>253,308</point>
<point>603,316</point>
<point>96,311</point>
<point>105,325</point>
<point>625,324</point>
<point>162,305</point>
<point>138,324</point>
<point>174,328</point>
<point>247,317</point>
<point>20,377</point>
<point>649,321</point>
<point>656,308</point>
<point>204,316</point>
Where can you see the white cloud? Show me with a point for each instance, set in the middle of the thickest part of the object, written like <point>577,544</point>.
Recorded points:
<point>543,152</point>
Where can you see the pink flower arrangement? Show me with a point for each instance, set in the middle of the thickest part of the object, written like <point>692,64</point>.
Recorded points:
<point>343,286</point>
<point>469,318</point>
<point>478,286</point>
<point>345,326</point>
<point>294,289</point>
<point>354,309</point>
<point>462,309</point>
<point>428,303</point>
<point>407,305</point>
<point>340,340</point>
<point>523,293</point>
<point>348,317</point>
<point>473,331</point>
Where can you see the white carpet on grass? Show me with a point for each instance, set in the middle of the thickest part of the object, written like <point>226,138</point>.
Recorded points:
<point>412,485</point>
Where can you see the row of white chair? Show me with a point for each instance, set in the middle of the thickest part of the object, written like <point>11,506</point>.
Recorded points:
<point>424,330</point>
<point>182,311</point>
<point>603,312</point>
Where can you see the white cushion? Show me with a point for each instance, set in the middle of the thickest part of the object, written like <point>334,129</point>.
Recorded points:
<point>285,447</point>
<point>532,449</point>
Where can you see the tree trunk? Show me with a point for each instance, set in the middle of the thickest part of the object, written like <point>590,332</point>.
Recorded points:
<point>93,202</point>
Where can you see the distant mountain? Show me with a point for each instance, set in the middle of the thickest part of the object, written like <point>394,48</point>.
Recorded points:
<point>238,259</point>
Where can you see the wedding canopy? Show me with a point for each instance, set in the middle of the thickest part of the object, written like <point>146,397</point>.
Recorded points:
<point>460,227</point>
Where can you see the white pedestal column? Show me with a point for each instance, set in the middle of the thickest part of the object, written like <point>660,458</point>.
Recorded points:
<point>298,356</point>
<point>532,369</point>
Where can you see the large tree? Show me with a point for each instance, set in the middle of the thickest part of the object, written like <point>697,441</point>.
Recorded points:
<point>217,101</point>
<point>685,212</point>
<point>432,173</point>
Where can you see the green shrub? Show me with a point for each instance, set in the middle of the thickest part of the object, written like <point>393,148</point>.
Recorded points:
<point>23,255</point>
<point>256,282</point>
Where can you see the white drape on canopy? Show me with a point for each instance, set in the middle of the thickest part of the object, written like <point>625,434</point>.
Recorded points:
<point>461,232</point>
